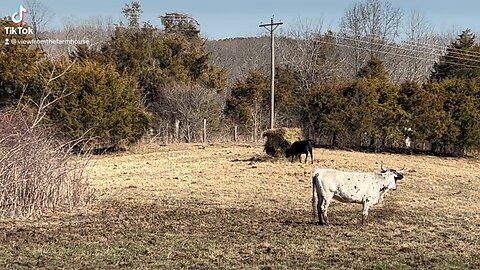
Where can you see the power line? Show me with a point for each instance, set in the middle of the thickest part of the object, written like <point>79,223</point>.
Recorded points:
<point>406,49</point>
<point>422,44</point>
<point>394,46</point>
<point>380,44</point>
<point>397,54</point>
<point>443,49</point>
<point>417,48</point>
<point>427,45</point>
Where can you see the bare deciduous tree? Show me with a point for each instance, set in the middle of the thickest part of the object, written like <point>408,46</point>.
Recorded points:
<point>39,16</point>
<point>373,24</point>
<point>310,53</point>
<point>95,30</point>
<point>301,51</point>
<point>418,35</point>
<point>190,105</point>
<point>240,55</point>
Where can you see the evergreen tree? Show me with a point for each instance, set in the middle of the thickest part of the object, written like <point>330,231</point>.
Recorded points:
<point>99,104</point>
<point>381,116</point>
<point>361,105</point>
<point>179,23</point>
<point>462,59</point>
<point>17,65</point>
<point>132,13</point>
<point>164,64</point>
<point>374,69</point>
<point>289,103</point>
<point>327,111</point>
<point>157,60</point>
<point>462,105</point>
<point>424,107</point>
<point>248,103</point>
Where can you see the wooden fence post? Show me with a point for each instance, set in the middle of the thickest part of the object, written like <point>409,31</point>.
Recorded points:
<point>177,128</point>
<point>204,130</point>
<point>167,134</point>
<point>235,133</point>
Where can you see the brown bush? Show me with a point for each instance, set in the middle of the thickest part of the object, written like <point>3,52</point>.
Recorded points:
<point>37,173</point>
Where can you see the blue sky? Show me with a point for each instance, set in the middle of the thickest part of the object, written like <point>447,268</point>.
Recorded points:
<point>224,19</point>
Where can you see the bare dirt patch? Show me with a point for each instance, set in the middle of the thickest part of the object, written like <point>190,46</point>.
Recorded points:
<point>213,206</point>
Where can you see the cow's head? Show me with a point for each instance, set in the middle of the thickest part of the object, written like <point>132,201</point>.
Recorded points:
<point>392,174</point>
<point>288,152</point>
<point>284,145</point>
<point>398,174</point>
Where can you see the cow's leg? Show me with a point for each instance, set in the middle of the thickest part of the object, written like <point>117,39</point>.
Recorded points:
<point>321,200</point>
<point>381,198</point>
<point>311,155</point>
<point>366,205</point>
<point>321,218</point>
<point>306,157</point>
<point>324,209</point>
<point>315,187</point>
<point>321,213</point>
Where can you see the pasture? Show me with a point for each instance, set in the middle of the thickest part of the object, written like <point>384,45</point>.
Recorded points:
<point>190,206</point>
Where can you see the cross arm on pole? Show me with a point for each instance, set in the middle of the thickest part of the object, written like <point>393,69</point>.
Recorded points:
<point>273,25</point>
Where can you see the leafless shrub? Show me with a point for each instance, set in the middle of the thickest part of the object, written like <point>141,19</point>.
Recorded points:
<point>189,105</point>
<point>37,171</point>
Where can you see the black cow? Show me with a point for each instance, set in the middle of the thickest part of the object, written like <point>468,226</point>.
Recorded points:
<point>298,148</point>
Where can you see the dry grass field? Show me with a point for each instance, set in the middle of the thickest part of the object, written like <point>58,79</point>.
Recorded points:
<point>190,206</point>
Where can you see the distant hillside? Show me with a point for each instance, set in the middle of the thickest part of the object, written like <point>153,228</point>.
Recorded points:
<point>322,57</point>
<point>238,55</point>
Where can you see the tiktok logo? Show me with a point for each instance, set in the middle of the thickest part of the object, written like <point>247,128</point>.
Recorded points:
<point>17,16</point>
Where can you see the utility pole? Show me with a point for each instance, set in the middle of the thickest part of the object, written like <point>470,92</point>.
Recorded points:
<point>271,27</point>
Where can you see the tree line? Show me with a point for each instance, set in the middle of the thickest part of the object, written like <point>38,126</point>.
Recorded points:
<point>356,88</point>
<point>112,94</point>
<point>440,115</point>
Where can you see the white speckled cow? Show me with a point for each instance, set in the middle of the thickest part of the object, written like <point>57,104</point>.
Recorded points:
<point>351,187</point>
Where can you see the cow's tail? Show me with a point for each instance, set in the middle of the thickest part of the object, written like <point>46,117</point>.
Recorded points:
<point>316,189</point>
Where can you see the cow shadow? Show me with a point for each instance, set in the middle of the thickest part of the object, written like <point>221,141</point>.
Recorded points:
<point>345,216</point>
